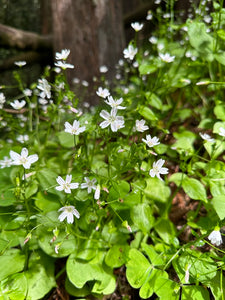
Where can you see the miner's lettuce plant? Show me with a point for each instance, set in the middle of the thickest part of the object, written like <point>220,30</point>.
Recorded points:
<point>135,183</point>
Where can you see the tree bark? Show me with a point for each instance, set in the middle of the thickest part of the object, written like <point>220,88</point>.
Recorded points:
<point>93,31</point>
<point>20,39</point>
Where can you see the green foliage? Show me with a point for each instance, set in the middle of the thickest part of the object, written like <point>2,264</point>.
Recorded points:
<point>136,191</point>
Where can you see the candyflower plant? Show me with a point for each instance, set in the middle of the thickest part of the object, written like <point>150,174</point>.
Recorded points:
<point>133,187</point>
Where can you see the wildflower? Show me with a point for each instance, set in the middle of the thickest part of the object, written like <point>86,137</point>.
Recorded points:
<point>6,162</point>
<point>75,128</point>
<point>20,63</point>
<point>27,92</point>
<point>116,122</point>
<point>2,100</point>
<point>130,52</point>
<point>137,26</point>
<point>157,169</point>
<point>22,138</point>
<point>68,212</point>
<point>63,55</point>
<point>222,131</point>
<point>89,184</point>
<point>140,125</point>
<point>23,158</point>
<point>115,103</point>
<point>203,82</point>
<point>66,185</point>
<point>97,193</point>
<point>45,88</point>
<point>104,93</point>
<point>84,83</point>
<point>215,237</point>
<point>206,137</point>
<point>166,57</point>
<point>151,142</point>
<point>18,104</point>
<point>149,15</point>
<point>153,40</point>
<point>103,69</point>
<point>63,65</point>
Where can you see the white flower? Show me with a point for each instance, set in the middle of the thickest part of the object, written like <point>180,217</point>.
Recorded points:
<point>27,92</point>
<point>130,52</point>
<point>64,65</point>
<point>166,57</point>
<point>151,142</point>
<point>89,184</point>
<point>116,122</point>
<point>18,104</point>
<point>20,63</point>
<point>84,83</point>
<point>66,185</point>
<point>206,137</point>
<point>115,103</point>
<point>157,169</point>
<point>45,88</point>
<point>222,131</point>
<point>23,158</point>
<point>153,40</point>
<point>140,125</point>
<point>137,26</point>
<point>97,193</point>
<point>68,212</point>
<point>103,69</point>
<point>2,98</point>
<point>63,55</point>
<point>104,93</point>
<point>22,138</point>
<point>215,237</point>
<point>75,128</point>
<point>6,162</point>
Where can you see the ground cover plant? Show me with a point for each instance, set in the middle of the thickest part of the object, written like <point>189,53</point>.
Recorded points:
<point>133,186</point>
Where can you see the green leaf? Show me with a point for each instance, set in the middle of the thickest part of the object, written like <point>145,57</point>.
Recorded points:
<point>201,267</point>
<point>154,100</point>
<point>194,293</point>
<point>219,111</point>
<point>138,268</point>
<point>117,256</point>
<point>155,258</point>
<point>216,286</point>
<point>167,289</point>
<point>220,57</point>
<point>194,189</point>
<point>7,197</point>
<point>218,203</point>
<point>200,39</point>
<point>47,179</point>
<point>147,68</point>
<point>66,139</point>
<point>142,217</point>
<point>31,189</point>
<point>40,275</point>
<point>47,201</point>
<point>14,287</point>
<point>12,261</point>
<point>147,113</point>
<point>104,280</point>
<point>148,288</point>
<point>67,244</point>
<point>157,190</point>
<point>166,230</point>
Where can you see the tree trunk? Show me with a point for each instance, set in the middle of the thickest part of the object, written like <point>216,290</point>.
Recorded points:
<point>93,31</point>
